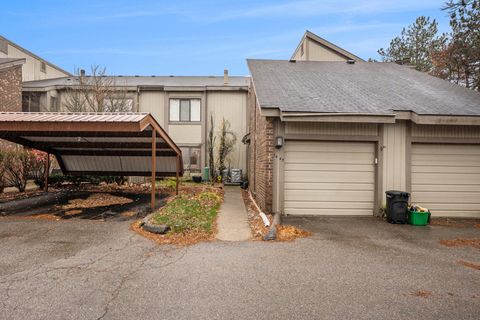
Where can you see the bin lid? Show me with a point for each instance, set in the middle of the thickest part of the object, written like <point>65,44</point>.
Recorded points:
<point>396,193</point>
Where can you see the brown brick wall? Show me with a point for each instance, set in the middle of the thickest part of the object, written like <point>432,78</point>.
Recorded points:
<point>11,89</point>
<point>261,158</point>
<point>10,94</point>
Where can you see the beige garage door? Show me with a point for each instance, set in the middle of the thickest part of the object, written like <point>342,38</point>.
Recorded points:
<point>329,178</point>
<point>446,179</point>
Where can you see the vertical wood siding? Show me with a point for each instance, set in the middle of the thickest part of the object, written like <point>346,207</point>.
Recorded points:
<point>320,53</point>
<point>233,107</point>
<point>394,157</point>
<point>153,102</point>
<point>443,131</point>
<point>327,128</point>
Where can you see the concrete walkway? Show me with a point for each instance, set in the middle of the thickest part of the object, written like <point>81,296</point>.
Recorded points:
<point>232,220</point>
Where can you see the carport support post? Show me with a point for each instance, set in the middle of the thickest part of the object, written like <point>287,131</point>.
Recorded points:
<point>47,169</point>
<point>154,167</point>
<point>177,175</point>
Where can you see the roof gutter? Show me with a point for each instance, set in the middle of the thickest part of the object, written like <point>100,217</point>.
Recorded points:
<point>337,117</point>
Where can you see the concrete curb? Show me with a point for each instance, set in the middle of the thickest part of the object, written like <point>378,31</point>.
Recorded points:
<point>272,232</point>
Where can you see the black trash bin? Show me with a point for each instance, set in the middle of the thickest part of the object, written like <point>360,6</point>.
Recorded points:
<point>397,206</point>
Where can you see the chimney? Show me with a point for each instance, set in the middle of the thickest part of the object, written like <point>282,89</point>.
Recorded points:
<point>82,72</point>
<point>225,77</point>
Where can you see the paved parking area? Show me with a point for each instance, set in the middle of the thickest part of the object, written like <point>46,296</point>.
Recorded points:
<point>351,268</point>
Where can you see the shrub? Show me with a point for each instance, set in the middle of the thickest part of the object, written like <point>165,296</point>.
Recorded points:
<point>37,171</point>
<point>18,165</point>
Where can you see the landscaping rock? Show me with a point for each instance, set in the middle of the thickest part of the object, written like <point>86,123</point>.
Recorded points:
<point>160,229</point>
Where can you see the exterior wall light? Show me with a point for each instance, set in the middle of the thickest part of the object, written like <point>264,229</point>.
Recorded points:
<point>278,142</point>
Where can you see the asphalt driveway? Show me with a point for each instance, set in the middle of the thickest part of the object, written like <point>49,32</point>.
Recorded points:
<point>350,268</point>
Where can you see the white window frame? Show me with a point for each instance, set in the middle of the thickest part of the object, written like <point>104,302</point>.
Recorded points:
<point>174,110</point>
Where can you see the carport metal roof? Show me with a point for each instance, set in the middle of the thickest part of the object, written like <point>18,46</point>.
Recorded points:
<point>128,144</point>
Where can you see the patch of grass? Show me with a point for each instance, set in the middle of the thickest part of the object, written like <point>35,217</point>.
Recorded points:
<point>190,213</point>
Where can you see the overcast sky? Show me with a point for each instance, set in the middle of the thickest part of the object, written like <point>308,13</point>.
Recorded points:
<point>199,37</point>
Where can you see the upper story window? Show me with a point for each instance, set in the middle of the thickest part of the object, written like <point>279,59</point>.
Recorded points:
<point>43,67</point>
<point>184,110</point>
<point>30,102</point>
<point>302,49</point>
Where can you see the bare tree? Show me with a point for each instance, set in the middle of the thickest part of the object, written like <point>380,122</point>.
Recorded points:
<point>227,140</point>
<point>211,149</point>
<point>97,93</point>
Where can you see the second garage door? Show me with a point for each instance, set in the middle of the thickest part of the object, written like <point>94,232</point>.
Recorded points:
<point>329,178</point>
<point>446,179</point>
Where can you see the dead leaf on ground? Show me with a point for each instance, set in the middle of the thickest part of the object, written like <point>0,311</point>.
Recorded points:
<point>179,239</point>
<point>258,229</point>
<point>474,243</point>
<point>469,264</point>
<point>96,200</point>
<point>289,233</point>
<point>128,214</point>
<point>422,293</point>
<point>447,223</point>
<point>72,212</point>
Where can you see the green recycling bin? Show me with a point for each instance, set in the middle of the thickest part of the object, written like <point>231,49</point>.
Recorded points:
<point>418,218</point>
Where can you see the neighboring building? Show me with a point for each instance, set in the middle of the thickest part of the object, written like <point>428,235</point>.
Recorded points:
<point>181,105</point>
<point>10,88</point>
<point>348,132</point>
<point>35,68</point>
<point>11,84</point>
<point>314,48</point>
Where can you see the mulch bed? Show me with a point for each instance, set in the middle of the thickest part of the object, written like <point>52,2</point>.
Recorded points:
<point>96,200</point>
<point>179,239</point>
<point>254,220</point>
<point>186,238</point>
<point>284,232</point>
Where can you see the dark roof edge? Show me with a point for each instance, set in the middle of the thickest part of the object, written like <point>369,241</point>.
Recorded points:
<point>424,119</point>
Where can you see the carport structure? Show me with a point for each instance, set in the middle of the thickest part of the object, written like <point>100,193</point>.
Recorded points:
<point>121,144</point>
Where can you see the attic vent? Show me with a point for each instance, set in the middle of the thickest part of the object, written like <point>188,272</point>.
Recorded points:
<point>292,60</point>
<point>350,61</point>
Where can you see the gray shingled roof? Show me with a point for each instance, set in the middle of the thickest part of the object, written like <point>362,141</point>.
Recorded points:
<point>133,81</point>
<point>363,87</point>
